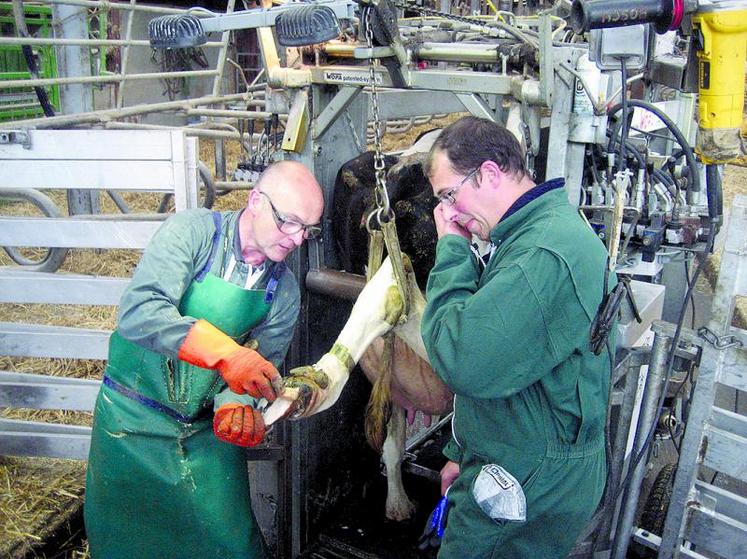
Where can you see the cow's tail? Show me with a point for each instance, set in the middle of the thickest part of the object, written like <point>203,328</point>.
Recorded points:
<point>379,408</point>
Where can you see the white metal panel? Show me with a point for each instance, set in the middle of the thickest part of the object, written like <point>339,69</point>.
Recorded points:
<point>148,145</point>
<point>29,438</point>
<point>19,286</point>
<point>42,392</point>
<point>157,176</point>
<point>711,531</point>
<point>36,340</point>
<point>75,233</point>
<point>725,452</point>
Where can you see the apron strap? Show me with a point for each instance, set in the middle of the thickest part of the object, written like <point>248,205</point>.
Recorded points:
<point>217,219</point>
<point>153,404</point>
<point>273,282</point>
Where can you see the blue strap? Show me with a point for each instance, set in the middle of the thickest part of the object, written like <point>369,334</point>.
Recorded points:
<point>153,404</point>
<point>272,284</point>
<point>217,219</point>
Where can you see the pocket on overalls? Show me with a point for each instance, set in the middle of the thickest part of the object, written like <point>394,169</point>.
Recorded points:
<point>499,494</point>
<point>177,386</point>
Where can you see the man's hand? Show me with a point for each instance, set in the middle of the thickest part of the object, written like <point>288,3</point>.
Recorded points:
<point>244,370</point>
<point>449,473</point>
<point>247,372</point>
<point>446,226</point>
<point>239,424</point>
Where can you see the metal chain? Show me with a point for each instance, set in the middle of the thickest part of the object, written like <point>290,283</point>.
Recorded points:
<point>380,192</point>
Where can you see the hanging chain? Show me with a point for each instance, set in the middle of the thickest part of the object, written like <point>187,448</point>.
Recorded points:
<point>380,192</point>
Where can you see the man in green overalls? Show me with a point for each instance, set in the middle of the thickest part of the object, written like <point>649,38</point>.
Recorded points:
<point>508,332</point>
<point>167,475</point>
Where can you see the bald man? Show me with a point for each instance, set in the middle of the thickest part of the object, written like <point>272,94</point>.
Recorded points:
<point>167,474</point>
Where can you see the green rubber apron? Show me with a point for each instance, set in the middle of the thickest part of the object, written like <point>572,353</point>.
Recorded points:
<point>159,483</point>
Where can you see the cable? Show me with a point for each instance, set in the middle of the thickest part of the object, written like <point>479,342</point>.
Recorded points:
<point>28,54</point>
<point>694,177</point>
<point>621,165</point>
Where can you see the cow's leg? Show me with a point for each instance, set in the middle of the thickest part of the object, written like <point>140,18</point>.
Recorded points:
<point>398,506</point>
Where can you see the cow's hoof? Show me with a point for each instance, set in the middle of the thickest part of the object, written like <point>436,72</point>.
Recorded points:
<point>400,510</point>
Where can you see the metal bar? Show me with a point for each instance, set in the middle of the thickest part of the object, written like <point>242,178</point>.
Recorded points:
<point>223,51</point>
<point>257,115</point>
<point>9,84</point>
<point>189,132</point>
<point>35,340</point>
<point>42,392</point>
<point>325,281</point>
<point>725,452</point>
<point>646,419</point>
<point>617,462</point>
<point>257,17</point>
<point>145,108</point>
<point>334,108</point>
<point>86,42</point>
<point>726,502</point>
<point>29,438</point>
<point>125,52</point>
<point>18,286</point>
<point>75,233</point>
<point>711,531</point>
<point>108,5</point>
<point>652,541</point>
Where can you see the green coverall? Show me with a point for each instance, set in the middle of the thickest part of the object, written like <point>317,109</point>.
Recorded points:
<point>512,342</point>
<point>159,483</point>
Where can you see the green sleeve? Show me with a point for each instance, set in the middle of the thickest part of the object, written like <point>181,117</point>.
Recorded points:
<point>452,451</point>
<point>494,341</point>
<point>148,312</point>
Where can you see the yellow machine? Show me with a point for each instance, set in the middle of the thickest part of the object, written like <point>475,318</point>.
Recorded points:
<point>720,32</point>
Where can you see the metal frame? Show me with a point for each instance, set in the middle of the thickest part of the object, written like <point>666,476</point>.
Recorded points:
<point>710,517</point>
<point>74,159</point>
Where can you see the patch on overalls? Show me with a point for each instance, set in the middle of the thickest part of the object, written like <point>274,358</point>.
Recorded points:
<point>499,495</point>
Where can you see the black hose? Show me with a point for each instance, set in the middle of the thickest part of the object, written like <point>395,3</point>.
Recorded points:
<point>694,176</point>
<point>714,194</point>
<point>28,54</point>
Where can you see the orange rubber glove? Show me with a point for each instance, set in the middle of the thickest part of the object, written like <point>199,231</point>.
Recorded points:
<point>239,424</point>
<point>244,370</point>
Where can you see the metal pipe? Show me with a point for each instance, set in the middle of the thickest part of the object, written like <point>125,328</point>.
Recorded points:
<point>649,405</point>
<point>222,54</point>
<point>9,84</point>
<point>631,376</point>
<point>257,115</point>
<point>125,52</point>
<point>108,114</point>
<point>193,132</point>
<point>234,185</point>
<point>85,42</point>
<point>107,5</point>
<point>454,52</point>
<point>325,281</point>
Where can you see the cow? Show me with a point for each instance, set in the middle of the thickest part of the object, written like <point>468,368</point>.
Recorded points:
<point>406,379</point>
<point>314,388</point>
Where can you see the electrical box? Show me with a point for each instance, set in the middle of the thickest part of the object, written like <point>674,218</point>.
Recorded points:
<point>608,46</point>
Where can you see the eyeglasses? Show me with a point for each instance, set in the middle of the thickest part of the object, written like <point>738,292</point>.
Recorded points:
<point>448,197</point>
<point>289,226</point>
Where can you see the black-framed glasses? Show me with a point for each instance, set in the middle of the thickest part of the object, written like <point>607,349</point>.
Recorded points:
<point>448,197</point>
<point>290,226</point>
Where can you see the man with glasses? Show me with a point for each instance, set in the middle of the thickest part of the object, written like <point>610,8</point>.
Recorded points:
<point>167,473</point>
<point>509,335</point>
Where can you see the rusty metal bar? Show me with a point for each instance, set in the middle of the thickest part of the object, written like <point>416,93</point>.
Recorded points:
<point>325,281</point>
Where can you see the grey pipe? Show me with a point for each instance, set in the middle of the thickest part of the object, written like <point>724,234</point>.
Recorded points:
<point>646,419</point>
<point>325,281</point>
